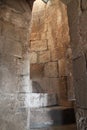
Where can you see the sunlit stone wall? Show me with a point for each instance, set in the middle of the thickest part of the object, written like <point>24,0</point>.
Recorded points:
<point>49,48</point>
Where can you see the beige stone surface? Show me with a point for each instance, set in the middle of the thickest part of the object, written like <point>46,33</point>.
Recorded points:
<point>39,45</point>
<point>44,57</point>
<point>51,69</point>
<point>33,57</point>
<point>62,67</point>
<point>36,71</point>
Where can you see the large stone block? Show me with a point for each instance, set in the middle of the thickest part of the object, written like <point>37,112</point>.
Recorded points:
<point>36,71</point>
<point>39,45</point>
<point>51,69</point>
<point>62,67</point>
<point>42,100</point>
<point>57,53</point>
<point>44,57</point>
<point>63,95</point>
<point>33,57</point>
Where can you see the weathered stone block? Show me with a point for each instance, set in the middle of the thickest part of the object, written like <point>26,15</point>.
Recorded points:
<point>44,56</point>
<point>63,95</point>
<point>42,100</point>
<point>41,85</point>
<point>36,71</point>
<point>51,69</point>
<point>62,67</point>
<point>35,36</point>
<point>57,53</point>
<point>39,45</point>
<point>33,57</point>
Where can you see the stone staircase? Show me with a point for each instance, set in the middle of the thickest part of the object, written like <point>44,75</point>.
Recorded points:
<point>45,113</point>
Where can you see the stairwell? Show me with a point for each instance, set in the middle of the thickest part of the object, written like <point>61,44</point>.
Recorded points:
<point>46,114</point>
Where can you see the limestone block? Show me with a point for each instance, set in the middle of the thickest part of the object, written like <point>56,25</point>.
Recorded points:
<point>84,4</point>
<point>53,85</point>
<point>36,71</point>
<point>41,85</point>
<point>42,100</point>
<point>36,87</point>
<point>33,57</point>
<point>35,36</point>
<point>51,69</point>
<point>39,45</point>
<point>44,57</point>
<point>62,67</point>
<point>63,95</point>
<point>57,53</point>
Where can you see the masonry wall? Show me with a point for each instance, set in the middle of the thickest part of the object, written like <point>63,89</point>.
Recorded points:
<point>77,15</point>
<point>49,48</point>
<point>14,65</point>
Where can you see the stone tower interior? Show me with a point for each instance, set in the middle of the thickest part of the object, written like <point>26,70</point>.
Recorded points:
<point>43,65</point>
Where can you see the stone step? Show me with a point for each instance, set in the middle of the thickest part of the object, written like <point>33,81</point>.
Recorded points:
<point>51,116</point>
<point>63,127</point>
<point>42,100</point>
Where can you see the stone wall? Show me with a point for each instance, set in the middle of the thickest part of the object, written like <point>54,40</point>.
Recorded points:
<point>14,65</point>
<point>77,15</point>
<point>49,48</point>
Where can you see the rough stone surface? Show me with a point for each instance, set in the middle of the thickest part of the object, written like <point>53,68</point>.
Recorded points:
<point>44,57</point>
<point>14,66</point>
<point>51,69</point>
<point>37,71</point>
<point>77,16</point>
<point>50,40</point>
<point>33,57</point>
<point>39,45</point>
<point>38,100</point>
<point>62,67</point>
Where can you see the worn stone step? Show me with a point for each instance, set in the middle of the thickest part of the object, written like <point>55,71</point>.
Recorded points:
<point>51,116</point>
<point>42,100</point>
<point>63,127</point>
